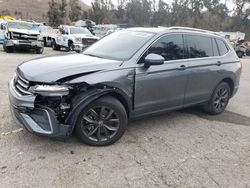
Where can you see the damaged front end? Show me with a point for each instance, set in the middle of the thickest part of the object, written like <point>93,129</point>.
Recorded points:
<point>40,108</point>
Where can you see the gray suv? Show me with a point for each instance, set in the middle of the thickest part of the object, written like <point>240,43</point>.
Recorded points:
<point>127,75</point>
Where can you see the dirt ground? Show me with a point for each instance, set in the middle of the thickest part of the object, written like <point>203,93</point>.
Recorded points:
<point>183,148</point>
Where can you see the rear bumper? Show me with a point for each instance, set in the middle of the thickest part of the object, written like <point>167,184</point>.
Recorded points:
<point>23,44</point>
<point>36,119</point>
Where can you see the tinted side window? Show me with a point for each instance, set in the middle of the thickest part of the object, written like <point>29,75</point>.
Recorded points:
<point>171,47</point>
<point>215,48</point>
<point>222,47</point>
<point>199,46</point>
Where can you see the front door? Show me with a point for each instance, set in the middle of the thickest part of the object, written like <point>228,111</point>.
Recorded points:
<point>162,87</point>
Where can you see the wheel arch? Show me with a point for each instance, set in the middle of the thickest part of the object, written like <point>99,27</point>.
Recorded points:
<point>82,100</point>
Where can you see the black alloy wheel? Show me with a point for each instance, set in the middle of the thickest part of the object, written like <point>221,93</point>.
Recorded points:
<point>102,123</point>
<point>219,99</point>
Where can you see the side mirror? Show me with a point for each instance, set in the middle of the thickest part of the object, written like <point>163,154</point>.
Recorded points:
<point>153,59</point>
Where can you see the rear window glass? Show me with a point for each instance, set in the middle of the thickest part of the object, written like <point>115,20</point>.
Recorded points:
<point>222,47</point>
<point>199,46</point>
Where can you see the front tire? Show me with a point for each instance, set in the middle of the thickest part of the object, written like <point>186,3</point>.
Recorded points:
<point>8,49</point>
<point>70,46</point>
<point>55,46</point>
<point>39,50</point>
<point>102,123</point>
<point>219,99</point>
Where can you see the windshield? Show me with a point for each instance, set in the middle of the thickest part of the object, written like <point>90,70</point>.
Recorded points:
<point>20,25</point>
<point>79,31</point>
<point>120,45</point>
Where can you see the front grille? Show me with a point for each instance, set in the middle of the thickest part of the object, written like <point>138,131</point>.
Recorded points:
<point>88,41</point>
<point>20,36</point>
<point>22,85</point>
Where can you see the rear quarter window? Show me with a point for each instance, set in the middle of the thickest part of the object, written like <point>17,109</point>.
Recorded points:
<point>223,49</point>
<point>215,48</point>
<point>199,46</point>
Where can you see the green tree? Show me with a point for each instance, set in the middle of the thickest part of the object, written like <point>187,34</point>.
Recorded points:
<point>5,12</point>
<point>139,12</point>
<point>75,12</point>
<point>57,13</point>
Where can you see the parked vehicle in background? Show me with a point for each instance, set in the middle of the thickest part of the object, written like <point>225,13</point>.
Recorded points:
<point>48,34</point>
<point>73,38</point>
<point>246,45</point>
<point>3,22</point>
<point>89,24</point>
<point>22,35</point>
<point>126,75</point>
<point>239,48</point>
<point>2,29</point>
<point>104,29</point>
<point>236,39</point>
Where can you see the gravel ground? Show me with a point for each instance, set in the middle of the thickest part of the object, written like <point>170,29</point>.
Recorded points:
<point>184,148</point>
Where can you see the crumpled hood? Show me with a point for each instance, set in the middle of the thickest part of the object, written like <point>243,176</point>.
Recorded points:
<point>24,31</point>
<point>54,68</point>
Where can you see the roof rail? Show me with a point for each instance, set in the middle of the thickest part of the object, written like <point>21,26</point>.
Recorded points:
<point>190,29</point>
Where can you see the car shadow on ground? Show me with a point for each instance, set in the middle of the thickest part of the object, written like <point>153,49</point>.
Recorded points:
<point>226,116</point>
<point>136,127</point>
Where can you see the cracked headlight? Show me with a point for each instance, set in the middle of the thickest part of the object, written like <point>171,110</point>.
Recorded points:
<point>51,90</point>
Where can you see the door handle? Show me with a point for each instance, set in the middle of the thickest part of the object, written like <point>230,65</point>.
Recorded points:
<point>219,63</point>
<point>182,67</point>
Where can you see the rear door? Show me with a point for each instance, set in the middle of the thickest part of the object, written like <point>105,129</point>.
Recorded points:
<point>203,68</point>
<point>163,86</point>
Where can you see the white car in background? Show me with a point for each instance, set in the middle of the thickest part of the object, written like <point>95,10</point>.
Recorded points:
<point>22,35</point>
<point>73,38</point>
<point>48,34</point>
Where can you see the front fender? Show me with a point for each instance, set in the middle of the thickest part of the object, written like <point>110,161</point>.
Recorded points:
<point>82,100</point>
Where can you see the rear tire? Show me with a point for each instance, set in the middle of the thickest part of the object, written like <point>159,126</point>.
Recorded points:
<point>239,54</point>
<point>219,99</point>
<point>102,123</point>
<point>248,52</point>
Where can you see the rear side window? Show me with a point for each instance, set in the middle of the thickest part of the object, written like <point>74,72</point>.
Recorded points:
<point>171,47</point>
<point>199,46</point>
<point>222,47</point>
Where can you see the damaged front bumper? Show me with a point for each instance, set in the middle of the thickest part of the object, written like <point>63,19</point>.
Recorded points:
<point>37,119</point>
<point>24,43</point>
